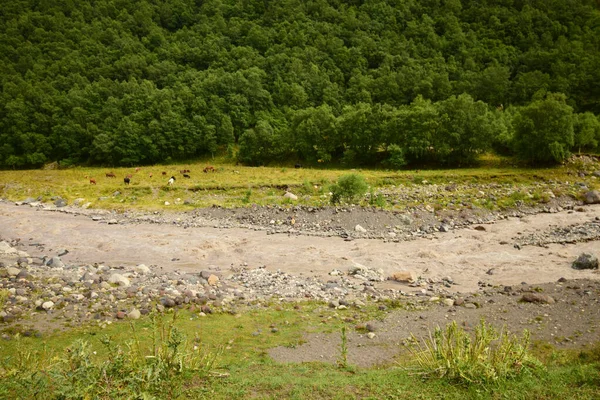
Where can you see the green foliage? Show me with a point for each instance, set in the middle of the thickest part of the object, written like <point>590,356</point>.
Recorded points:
<point>586,128</point>
<point>247,195</point>
<point>544,130</point>
<point>348,188</point>
<point>396,158</point>
<point>135,371</point>
<point>144,82</point>
<point>487,357</point>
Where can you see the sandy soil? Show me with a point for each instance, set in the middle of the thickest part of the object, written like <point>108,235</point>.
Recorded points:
<point>468,255</point>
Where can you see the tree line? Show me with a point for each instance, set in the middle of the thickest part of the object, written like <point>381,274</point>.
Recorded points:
<point>373,82</point>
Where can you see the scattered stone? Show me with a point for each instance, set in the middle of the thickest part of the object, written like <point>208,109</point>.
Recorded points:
<point>119,279</point>
<point>12,271</point>
<point>592,197</point>
<point>121,315</point>
<point>291,196</point>
<point>60,203</point>
<point>55,262</point>
<point>213,280</point>
<point>112,221</point>
<point>586,261</point>
<point>403,276</point>
<point>448,302</point>
<point>134,314</point>
<point>532,297</point>
<point>366,273</point>
<point>360,229</point>
<point>142,269</point>
<point>167,302</point>
<point>371,335</point>
<point>48,305</point>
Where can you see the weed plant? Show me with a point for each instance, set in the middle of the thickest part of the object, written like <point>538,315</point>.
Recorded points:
<point>135,371</point>
<point>487,357</point>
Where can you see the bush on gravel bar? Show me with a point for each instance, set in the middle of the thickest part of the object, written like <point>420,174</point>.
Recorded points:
<point>348,188</point>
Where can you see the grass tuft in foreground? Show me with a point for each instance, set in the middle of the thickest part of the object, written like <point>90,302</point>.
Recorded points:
<point>488,357</point>
<point>134,371</point>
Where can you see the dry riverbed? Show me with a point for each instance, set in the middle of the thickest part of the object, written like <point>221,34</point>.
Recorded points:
<point>63,266</point>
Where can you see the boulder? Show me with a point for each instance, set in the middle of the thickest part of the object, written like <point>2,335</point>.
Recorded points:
<point>119,279</point>
<point>134,314</point>
<point>403,276</point>
<point>55,262</point>
<point>142,269</point>
<point>213,280</point>
<point>592,197</point>
<point>291,196</point>
<point>537,298</point>
<point>586,261</point>
<point>360,229</point>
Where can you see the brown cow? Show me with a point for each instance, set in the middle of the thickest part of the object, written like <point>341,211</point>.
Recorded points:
<point>92,181</point>
<point>110,175</point>
<point>209,168</point>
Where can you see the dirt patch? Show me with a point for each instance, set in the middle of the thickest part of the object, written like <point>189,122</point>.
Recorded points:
<point>573,321</point>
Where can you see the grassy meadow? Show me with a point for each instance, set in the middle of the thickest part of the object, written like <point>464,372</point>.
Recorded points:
<point>232,185</point>
<point>225,355</point>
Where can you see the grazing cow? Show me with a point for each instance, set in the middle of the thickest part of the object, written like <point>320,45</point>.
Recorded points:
<point>298,166</point>
<point>186,176</point>
<point>210,168</point>
<point>164,173</point>
<point>137,170</point>
<point>150,175</point>
<point>92,181</point>
<point>171,181</point>
<point>111,175</point>
<point>127,180</point>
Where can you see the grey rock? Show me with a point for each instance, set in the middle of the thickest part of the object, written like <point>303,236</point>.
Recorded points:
<point>60,203</point>
<point>592,197</point>
<point>55,262</point>
<point>167,302</point>
<point>360,229</point>
<point>291,196</point>
<point>134,314</point>
<point>537,298</point>
<point>586,261</point>
<point>119,279</point>
<point>12,271</point>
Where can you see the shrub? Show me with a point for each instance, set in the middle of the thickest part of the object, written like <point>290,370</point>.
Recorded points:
<point>544,130</point>
<point>348,188</point>
<point>488,357</point>
<point>396,157</point>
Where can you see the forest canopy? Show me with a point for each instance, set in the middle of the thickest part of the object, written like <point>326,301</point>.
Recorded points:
<point>375,82</point>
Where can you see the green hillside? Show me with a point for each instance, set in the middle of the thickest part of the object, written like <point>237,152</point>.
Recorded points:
<point>379,82</point>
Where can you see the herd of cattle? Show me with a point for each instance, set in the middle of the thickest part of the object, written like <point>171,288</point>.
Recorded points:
<point>127,179</point>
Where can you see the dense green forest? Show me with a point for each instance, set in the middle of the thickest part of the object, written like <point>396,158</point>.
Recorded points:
<point>374,82</point>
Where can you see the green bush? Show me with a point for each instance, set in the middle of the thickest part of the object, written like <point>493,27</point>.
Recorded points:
<point>488,357</point>
<point>348,188</point>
